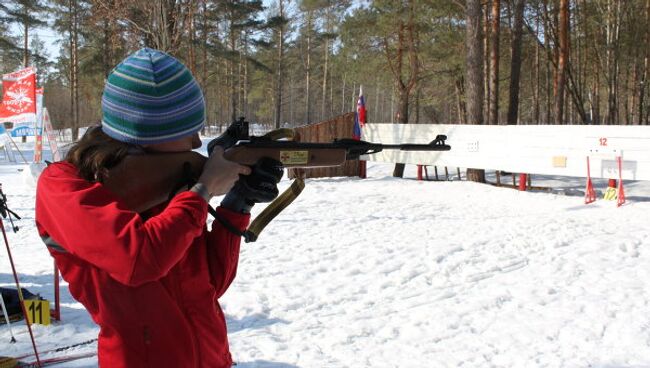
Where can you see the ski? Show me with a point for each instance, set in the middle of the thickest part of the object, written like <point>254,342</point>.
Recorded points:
<point>56,350</point>
<point>54,360</point>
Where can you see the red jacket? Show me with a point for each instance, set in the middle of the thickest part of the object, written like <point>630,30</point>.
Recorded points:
<point>151,285</point>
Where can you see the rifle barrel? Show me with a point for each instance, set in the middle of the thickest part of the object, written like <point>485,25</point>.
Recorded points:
<point>416,147</point>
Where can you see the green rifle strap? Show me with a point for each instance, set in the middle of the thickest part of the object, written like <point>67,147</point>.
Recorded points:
<point>273,209</point>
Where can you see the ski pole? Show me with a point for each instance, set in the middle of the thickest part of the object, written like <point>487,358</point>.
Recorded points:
<point>5,211</point>
<point>4,310</point>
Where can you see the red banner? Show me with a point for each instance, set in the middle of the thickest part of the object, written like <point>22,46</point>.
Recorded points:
<point>19,96</point>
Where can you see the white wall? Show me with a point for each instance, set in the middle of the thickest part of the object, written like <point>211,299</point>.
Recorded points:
<point>532,149</point>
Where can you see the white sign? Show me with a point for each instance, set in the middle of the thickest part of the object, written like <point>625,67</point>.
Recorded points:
<point>532,149</point>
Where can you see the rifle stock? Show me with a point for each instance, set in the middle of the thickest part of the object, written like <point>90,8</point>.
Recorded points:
<point>143,181</point>
<point>290,157</point>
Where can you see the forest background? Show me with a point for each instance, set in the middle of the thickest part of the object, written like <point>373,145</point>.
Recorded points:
<point>295,62</point>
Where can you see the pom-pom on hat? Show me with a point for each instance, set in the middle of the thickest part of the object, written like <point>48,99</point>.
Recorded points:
<point>150,97</point>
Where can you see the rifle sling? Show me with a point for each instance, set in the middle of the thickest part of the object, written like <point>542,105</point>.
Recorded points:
<point>273,209</point>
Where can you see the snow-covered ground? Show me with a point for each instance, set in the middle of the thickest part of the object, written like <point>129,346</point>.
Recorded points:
<point>386,272</point>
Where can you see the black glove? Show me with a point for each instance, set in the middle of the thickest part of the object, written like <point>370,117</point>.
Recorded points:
<point>237,131</point>
<point>259,187</point>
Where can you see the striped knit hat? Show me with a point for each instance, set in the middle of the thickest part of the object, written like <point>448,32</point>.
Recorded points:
<point>150,97</point>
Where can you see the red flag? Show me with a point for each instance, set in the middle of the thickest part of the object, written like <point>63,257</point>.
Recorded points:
<point>359,122</point>
<point>19,96</point>
<point>359,116</point>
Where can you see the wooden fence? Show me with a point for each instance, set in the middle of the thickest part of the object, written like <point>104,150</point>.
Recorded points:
<point>325,132</point>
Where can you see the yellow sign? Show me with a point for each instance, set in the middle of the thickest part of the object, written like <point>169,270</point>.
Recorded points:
<point>610,194</point>
<point>559,161</point>
<point>38,311</point>
<point>294,157</point>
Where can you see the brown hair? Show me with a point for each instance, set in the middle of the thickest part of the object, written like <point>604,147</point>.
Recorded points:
<point>95,153</point>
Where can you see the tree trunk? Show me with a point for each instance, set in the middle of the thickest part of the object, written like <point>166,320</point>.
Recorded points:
<point>474,63</point>
<point>74,68</point>
<point>240,74</point>
<point>646,60</point>
<point>549,57</point>
<point>406,49</point>
<point>474,66</point>
<point>486,63</point>
<point>191,59</point>
<point>25,51</point>
<point>515,64</point>
<point>231,73</point>
<point>476,175</point>
<point>324,91</point>
<point>494,63</point>
<point>403,110</point>
<point>325,69</point>
<point>245,91</point>
<point>308,70</point>
<point>26,41</point>
<point>343,94</point>
<point>563,59</point>
<point>460,100</point>
<point>417,104</point>
<point>537,79</point>
<point>612,36</point>
<point>278,92</point>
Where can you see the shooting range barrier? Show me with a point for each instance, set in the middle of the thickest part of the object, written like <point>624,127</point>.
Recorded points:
<point>326,132</point>
<point>534,149</point>
<point>592,151</point>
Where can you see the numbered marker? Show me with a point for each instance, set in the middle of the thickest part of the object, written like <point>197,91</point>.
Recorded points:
<point>38,311</point>
<point>610,194</point>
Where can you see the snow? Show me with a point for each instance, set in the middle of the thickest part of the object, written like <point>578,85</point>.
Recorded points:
<point>386,272</point>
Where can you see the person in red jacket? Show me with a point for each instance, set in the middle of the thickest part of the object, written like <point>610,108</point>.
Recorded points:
<point>150,280</point>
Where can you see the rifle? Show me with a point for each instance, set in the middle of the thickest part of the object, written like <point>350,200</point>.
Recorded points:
<point>159,176</point>
<point>248,149</point>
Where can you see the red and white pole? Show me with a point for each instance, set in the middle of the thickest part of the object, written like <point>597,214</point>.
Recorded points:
<point>620,192</point>
<point>590,194</point>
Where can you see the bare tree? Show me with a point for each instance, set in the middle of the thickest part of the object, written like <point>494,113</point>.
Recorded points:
<point>515,63</point>
<point>646,60</point>
<point>494,63</point>
<point>474,63</point>
<point>398,50</point>
<point>73,9</point>
<point>474,80</point>
<point>563,59</point>
<point>280,22</point>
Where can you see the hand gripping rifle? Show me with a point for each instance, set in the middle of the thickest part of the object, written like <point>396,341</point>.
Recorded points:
<point>160,174</point>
